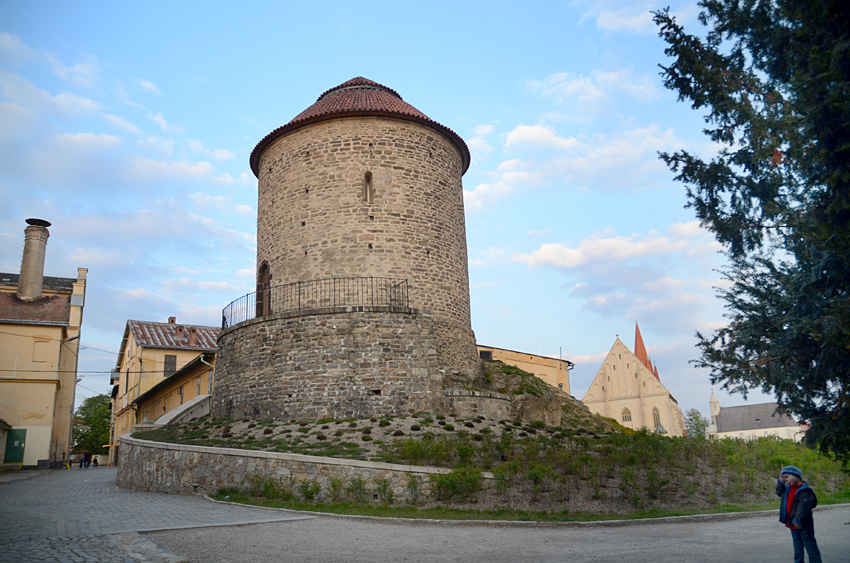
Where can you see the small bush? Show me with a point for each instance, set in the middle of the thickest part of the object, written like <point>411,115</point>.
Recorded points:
<point>460,482</point>
<point>336,488</point>
<point>414,488</point>
<point>449,427</point>
<point>366,438</point>
<point>398,433</point>
<point>267,431</point>
<point>308,490</point>
<point>383,487</point>
<point>416,428</point>
<point>384,423</point>
<point>355,489</point>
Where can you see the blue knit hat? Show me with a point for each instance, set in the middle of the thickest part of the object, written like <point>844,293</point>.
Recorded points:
<point>792,470</point>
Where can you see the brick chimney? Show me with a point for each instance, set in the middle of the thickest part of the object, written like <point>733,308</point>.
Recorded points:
<point>31,280</point>
<point>172,320</point>
<point>193,337</point>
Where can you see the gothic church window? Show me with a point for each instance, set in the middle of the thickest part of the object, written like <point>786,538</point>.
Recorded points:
<point>656,417</point>
<point>627,415</point>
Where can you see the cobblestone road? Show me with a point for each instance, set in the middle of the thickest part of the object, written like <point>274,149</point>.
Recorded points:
<point>80,515</point>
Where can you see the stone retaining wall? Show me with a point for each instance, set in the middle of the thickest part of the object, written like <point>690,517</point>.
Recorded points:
<point>341,363</point>
<point>179,469</point>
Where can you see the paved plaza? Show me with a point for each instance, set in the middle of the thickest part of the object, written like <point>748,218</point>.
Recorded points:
<point>79,515</point>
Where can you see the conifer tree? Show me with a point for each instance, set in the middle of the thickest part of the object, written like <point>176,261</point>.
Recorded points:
<point>773,78</point>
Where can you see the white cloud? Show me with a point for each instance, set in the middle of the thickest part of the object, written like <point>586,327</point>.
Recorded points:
<point>599,249</point>
<point>121,123</point>
<point>219,154</point>
<point>148,85</point>
<point>687,230</point>
<point>144,168</point>
<point>248,179</point>
<point>158,144</point>
<point>490,256</point>
<point>479,146</point>
<point>85,73</point>
<point>224,204</point>
<point>591,92</point>
<point>76,143</point>
<point>484,194</point>
<point>13,51</point>
<point>539,136</point>
<point>166,127</point>
<point>483,130</point>
<point>540,232</point>
<point>24,93</point>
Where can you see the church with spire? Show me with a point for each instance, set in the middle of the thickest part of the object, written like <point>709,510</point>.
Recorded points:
<point>628,389</point>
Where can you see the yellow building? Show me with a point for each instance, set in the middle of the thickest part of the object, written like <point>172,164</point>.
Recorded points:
<point>628,389</point>
<point>40,321</point>
<point>553,371</point>
<point>187,387</point>
<point>149,353</point>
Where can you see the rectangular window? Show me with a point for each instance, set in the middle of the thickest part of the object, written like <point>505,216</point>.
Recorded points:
<point>198,387</point>
<point>180,392</point>
<point>170,364</point>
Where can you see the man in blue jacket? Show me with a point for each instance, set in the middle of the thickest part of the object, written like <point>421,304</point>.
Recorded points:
<point>795,511</point>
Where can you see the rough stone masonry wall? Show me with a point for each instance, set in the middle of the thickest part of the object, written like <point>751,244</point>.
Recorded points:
<point>177,469</point>
<point>314,221</point>
<point>336,364</point>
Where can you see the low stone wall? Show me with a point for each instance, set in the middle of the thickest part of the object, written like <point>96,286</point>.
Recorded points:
<point>178,469</point>
<point>469,404</point>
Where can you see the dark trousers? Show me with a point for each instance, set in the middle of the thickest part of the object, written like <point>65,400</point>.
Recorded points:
<point>805,539</point>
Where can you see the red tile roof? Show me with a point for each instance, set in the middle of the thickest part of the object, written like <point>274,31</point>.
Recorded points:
<point>166,335</point>
<point>354,98</point>
<point>46,310</point>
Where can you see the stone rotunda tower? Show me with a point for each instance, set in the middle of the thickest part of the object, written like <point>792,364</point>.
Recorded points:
<point>362,301</point>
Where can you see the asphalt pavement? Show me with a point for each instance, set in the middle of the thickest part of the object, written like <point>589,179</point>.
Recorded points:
<point>79,515</point>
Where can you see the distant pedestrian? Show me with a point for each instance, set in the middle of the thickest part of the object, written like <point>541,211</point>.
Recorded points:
<point>88,459</point>
<point>82,460</point>
<point>94,461</point>
<point>795,511</point>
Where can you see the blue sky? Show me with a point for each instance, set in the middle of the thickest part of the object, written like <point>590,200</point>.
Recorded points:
<point>129,128</point>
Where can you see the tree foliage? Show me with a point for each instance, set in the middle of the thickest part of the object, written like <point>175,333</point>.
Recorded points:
<point>773,78</point>
<point>695,423</point>
<point>91,424</point>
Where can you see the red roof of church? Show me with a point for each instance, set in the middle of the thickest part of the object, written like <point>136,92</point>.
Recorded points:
<point>640,352</point>
<point>353,98</point>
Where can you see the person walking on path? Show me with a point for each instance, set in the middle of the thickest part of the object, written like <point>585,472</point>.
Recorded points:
<point>795,511</point>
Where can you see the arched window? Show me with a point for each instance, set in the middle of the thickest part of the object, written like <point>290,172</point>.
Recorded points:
<point>627,415</point>
<point>656,418</point>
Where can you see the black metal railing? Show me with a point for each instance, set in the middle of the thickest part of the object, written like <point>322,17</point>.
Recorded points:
<point>315,294</point>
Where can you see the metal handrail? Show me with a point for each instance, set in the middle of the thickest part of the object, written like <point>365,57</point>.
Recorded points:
<point>315,294</point>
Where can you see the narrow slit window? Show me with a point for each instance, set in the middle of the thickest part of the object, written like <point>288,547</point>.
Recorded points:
<point>368,189</point>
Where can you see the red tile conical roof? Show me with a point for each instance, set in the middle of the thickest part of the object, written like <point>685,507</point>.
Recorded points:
<point>354,98</point>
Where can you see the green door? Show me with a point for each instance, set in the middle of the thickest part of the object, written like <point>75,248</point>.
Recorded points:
<point>15,446</point>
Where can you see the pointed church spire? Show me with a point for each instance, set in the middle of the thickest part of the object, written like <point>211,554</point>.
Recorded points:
<point>640,349</point>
